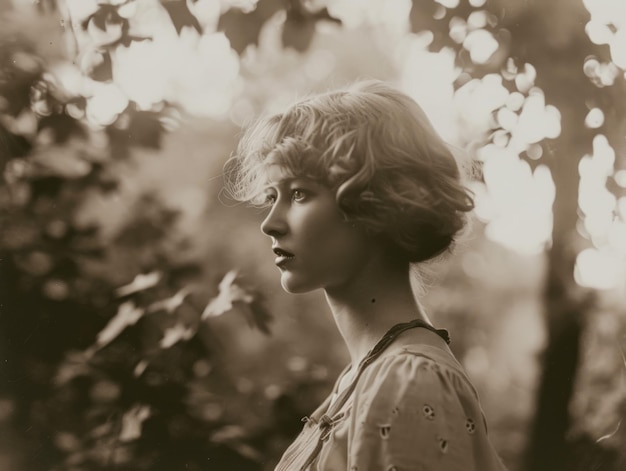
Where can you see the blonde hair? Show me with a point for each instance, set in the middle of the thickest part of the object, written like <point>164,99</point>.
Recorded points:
<point>372,144</point>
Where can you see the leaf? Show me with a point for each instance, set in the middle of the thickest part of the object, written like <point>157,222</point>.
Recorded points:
<point>258,316</point>
<point>228,433</point>
<point>140,283</point>
<point>106,26</point>
<point>140,368</point>
<point>422,18</point>
<point>13,145</point>
<point>101,70</point>
<point>299,27</point>
<point>75,364</point>
<point>101,430</point>
<point>229,293</point>
<point>67,442</point>
<point>298,32</point>
<point>173,335</point>
<point>421,15</point>
<point>127,314</point>
<point>25,124</point>
<point>247,451</point>
<point>243,28</point>
<point>144,130</point>
<point>611,434</point>
<point>132,422</point>
<point>62,127</point>
<point>61,161</point>
<point>170,304</point>
<point>234,436</point>
<point>181,15</point>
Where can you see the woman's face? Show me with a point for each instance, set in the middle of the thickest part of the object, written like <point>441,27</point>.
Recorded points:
<point>314,245</point>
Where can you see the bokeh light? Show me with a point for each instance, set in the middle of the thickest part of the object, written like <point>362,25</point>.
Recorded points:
<point>481,45</point>
<point>514,201</point>
<point>608,26</point>
<point>598,267</point>
<point>595,118</point>
<point>428,78</point>
<point>105,103</point>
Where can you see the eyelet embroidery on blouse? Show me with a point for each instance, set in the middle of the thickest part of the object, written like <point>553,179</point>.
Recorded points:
<point>443,445</point>
<point>470,426</point>
<point>429,412</point>
<point>395,410</point>
<point>384,431</point>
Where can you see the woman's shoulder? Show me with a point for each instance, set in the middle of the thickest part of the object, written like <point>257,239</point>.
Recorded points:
<point>417,359</point>
<point>419,394</point>
<point>416,370</point>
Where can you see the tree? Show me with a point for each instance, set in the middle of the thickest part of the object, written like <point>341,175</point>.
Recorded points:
<point>556,45</point>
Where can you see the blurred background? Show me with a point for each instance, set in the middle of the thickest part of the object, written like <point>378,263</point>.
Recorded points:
<point>142,324</point>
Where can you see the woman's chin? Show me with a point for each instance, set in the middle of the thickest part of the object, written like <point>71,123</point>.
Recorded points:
<point>294,286</point>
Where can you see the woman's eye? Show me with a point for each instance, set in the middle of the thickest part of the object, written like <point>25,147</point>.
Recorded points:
<point>270,199</point>
<point>298,195</point>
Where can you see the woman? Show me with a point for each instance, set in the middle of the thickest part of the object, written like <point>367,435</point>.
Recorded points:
<point>359,187</point>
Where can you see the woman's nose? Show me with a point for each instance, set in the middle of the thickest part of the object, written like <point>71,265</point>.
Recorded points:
<point>274,223</point>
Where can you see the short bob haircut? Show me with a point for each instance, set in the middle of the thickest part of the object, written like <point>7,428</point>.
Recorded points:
<point>374,146</point>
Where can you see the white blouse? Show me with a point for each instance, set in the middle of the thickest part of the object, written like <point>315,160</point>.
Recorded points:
<point>410,407</point>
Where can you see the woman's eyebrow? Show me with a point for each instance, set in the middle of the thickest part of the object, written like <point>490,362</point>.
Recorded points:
<point>273,184</point>
<point>282,182</point>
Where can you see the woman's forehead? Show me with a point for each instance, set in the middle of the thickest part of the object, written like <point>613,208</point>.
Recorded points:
<point>275,173</point>
<point>283,177</point>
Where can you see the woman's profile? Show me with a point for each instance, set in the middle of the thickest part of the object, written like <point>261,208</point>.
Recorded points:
<point>359,187</point>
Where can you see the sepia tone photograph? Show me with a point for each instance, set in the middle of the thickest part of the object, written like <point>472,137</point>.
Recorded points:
<point>312,235</point>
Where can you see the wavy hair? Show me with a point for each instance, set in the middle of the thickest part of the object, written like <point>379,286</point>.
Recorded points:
<point>375,147</point>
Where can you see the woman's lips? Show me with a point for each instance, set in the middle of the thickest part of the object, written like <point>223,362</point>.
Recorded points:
<point>280,261</point>
<point>282,256</point>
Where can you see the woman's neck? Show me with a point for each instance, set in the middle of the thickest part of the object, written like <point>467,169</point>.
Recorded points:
<point>373,302</point>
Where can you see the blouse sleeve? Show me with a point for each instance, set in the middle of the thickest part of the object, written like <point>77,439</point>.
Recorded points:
<point>412,413</point>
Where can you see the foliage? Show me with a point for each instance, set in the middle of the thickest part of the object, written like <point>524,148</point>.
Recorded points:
<point>102,375</point>
<point>99,373</point>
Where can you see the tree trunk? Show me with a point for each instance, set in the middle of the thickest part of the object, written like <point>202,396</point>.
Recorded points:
<point>547,448</point>
<point>551,37</point>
